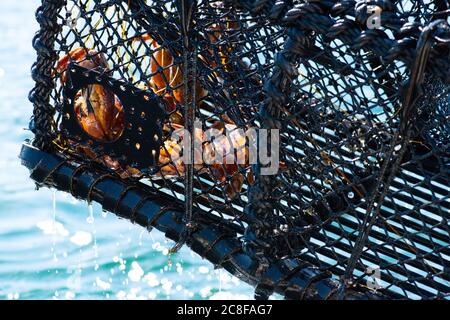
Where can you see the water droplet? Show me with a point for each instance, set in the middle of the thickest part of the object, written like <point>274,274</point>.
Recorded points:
<point>90,218</point>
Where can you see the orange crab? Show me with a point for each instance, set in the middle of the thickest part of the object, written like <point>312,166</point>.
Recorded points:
<point>166,76</point>
<point>98,110</point>
<point>101,115</point>
<point>171,75</point>
<point>229,174</point>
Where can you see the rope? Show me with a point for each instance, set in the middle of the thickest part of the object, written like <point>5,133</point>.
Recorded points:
<point>261,206</point>
<point>186,10</point>
<point>409,103</point>
<point>41,123</point>
<point>319,17</point>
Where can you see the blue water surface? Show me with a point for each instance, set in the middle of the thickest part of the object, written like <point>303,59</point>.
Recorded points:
<point>55,247</point>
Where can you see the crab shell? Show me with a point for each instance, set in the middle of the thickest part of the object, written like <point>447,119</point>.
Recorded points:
<point>97,109</point>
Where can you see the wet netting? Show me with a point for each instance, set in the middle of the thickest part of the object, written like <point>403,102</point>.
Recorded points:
<point>322,170</point>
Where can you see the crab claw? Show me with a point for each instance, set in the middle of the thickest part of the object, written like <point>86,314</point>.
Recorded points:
<point>87,119</point>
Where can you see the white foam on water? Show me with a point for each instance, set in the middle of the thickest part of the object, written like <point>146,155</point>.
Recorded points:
<point>102,284</point>
<point>136,272</point>
<point>179,268</point>
<point>160,248</point>
<point>151,279</point>
<point>121,295</point>
<point>205,292</point>
<point>69,295</point>
<point>203,270</point>
<point>81,238</point>
<point>166,285</point>
<point>122,264</point>
<point>133,294</point>
<point>51,227</point>
<point>13,296</point>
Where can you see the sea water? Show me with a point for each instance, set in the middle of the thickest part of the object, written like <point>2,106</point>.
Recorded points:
<point>55,247</point>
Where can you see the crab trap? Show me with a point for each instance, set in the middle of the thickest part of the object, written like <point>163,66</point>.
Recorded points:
<point>304,146</point>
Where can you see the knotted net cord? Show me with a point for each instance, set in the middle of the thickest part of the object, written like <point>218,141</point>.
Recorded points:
<point>331,86</point>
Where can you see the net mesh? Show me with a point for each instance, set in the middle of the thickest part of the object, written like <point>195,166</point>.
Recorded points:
<point>362,184</point>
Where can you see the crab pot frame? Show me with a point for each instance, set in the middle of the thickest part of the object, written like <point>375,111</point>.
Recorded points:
<point>357,90</point>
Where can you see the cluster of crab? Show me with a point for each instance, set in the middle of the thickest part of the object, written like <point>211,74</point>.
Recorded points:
<point>100,114</point>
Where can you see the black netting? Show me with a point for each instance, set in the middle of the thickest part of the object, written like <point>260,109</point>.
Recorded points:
<point>361,107</point>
